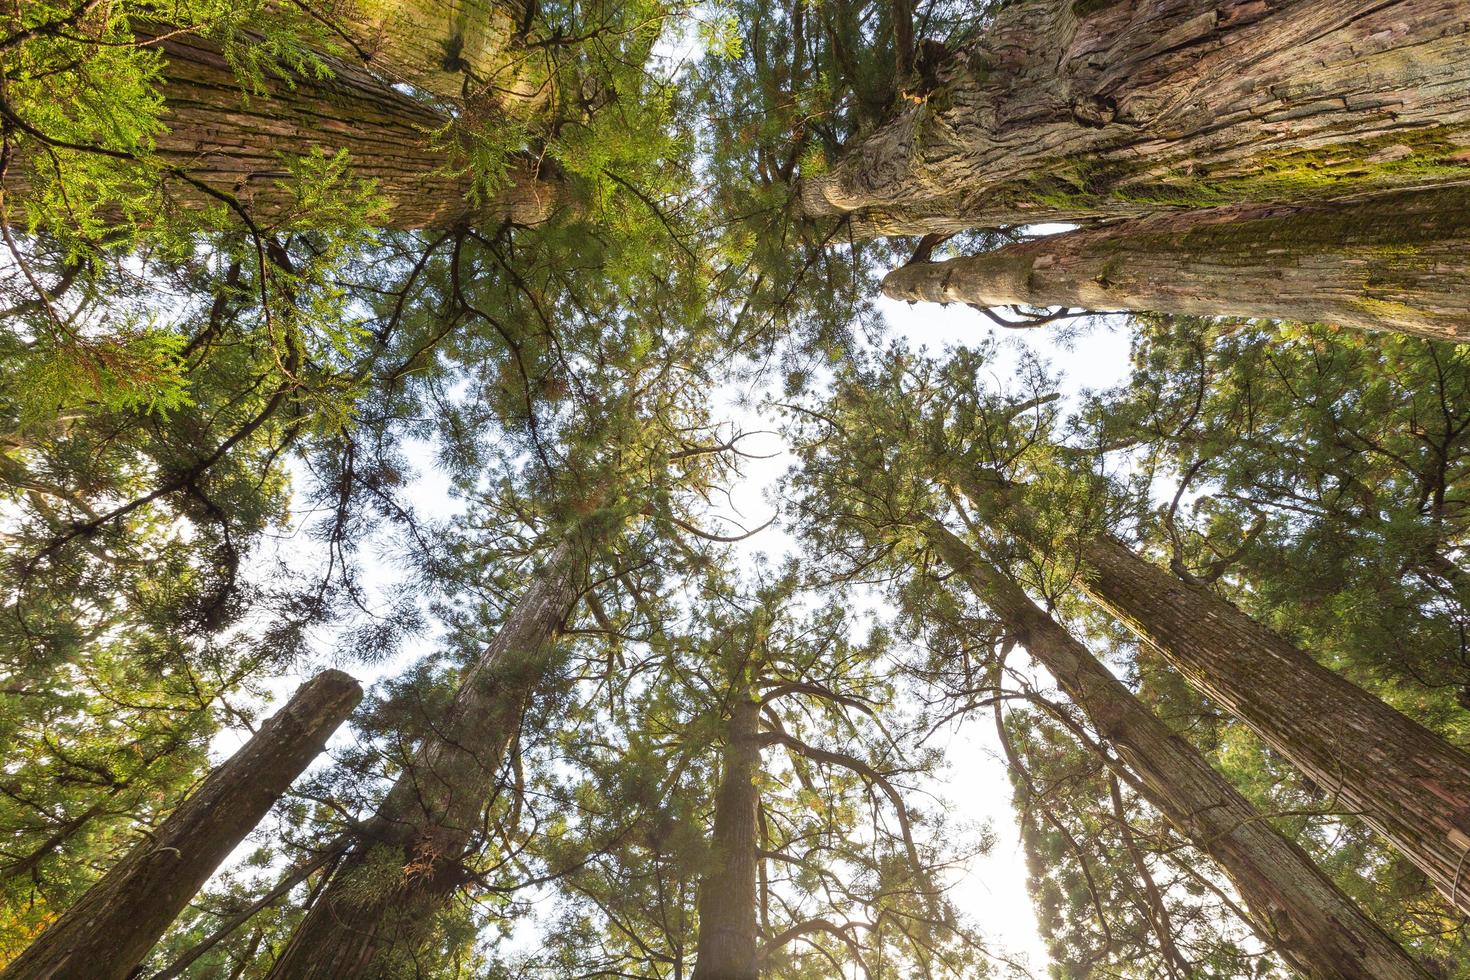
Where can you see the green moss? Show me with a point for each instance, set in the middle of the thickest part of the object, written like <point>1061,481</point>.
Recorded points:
<point>1387,310</point>
<point>1406,159</point>
<point>1082,8</point>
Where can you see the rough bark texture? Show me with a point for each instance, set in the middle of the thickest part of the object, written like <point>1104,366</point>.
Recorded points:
<point>1397,261</point>
<point>1069,110</point>
<point>109,931</point>
<point>727,899</point>
<point>449,48</point>
<point>235,144</point>
<point>381,902</point>
<point>1409,784</point>
<point>1314,926</point>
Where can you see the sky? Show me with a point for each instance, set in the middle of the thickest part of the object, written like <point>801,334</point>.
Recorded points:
<point>991,889</point>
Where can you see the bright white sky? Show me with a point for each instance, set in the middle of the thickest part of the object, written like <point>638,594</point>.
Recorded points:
<point>992,890</point>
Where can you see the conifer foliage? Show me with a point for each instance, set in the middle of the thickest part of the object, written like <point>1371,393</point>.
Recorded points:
<point>459,346</point>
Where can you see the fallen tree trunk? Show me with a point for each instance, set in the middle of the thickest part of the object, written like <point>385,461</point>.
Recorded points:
<point>109,931</point>
<point>1398,262</point>
<point>1075,110</point>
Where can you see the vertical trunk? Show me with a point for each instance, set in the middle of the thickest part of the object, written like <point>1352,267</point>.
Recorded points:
<point>235,144</point>
<point>727,891</point>
<point>462,50</point>
<point>1295,907</point>
<point>1408,784</point>
<point>1405,782</point>
<point>1397,261</point>
<point>380,904</point>
<point>1070,110</point>
<point>109,931</point>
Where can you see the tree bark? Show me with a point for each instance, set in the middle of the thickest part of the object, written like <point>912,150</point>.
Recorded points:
<point>727,947</point>
<point>235,143</point>
<point>467,51</point>
<point>381,901</point>
<point>1071,110</point>
<point>109,931</point>
<point>1295,908</point>
<point>1392,262</point>
<point>1407,783</point>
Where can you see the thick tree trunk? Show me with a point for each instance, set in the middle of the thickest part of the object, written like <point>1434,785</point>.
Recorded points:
<point>380,903</point>
<point>1068,110</point>
<point>1397,261</point>
<point>235,143</point>
<point>727,895</point>
<point>1408,784</point>
<point>109,931</point>
<point>1405,782</point>
<point>463,50</point>
<point>1296,909</point>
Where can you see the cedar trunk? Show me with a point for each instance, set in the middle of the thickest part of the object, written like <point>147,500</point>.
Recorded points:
<point>235,144</point>
<point>1408,784</point>
<point>380,904</point>
<point>1397,261</point>
<point>1070,111</point>
<point>109,931</point>
<point>1295,908</point>
<point>461,50</point>
<point>727,890</point>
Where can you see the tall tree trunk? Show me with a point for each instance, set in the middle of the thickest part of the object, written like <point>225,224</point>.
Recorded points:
<point>380,904</point>
<point>1068,110</point>
<point>1391,262</point>
<point>1408,784</point>
<point>109,931</point>
<point>1405,782</point>
<point>235,144</point>
<point>1296,909</point>
<point>463,50</point>
<point>727,890</point>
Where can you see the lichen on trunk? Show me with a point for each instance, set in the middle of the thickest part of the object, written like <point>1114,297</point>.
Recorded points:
<point>1077,112</point>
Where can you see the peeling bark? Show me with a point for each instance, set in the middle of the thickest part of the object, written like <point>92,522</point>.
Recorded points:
<point>1294,907</point>
<point>727,891</point>
<point>1393,262</point>
<point>109,931</point>
<point>381,901</point>
<point>1067,111</point>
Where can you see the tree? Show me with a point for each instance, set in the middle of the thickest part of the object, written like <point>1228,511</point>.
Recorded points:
<point>111,928</point>
<point>766,757</point>
<point>1294,906</point>
<point>1347,266</point>
<point>1073,112</point>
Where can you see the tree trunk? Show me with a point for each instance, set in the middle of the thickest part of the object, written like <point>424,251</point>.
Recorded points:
<point>380,904</point>
<point>1407,783</point>
<point>727,895</point>
<point>463,50</point>
<point>1392,262</point>
<point>109,931</point>
<point>235,144</point>
<point>1069,110</point>
<point>1296,909</point>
